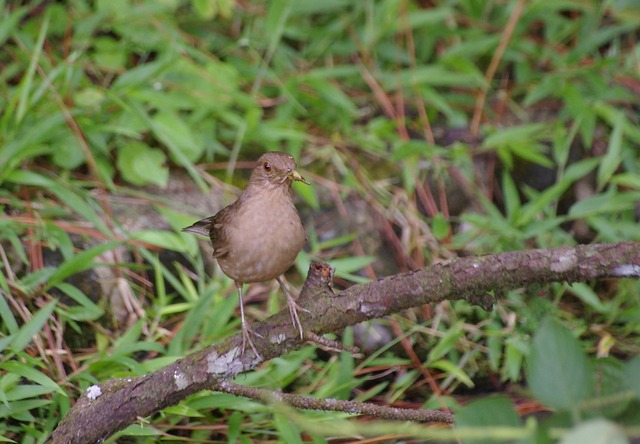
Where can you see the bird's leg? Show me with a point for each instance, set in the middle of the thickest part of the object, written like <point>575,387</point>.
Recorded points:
<point>293,306</point>
<point>246,330</point>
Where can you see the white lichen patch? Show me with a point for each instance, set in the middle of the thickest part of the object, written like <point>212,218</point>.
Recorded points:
<point>93,392</point>
<point>225,365</point>
<point>626,270</point>
<point>371,310</point>
<point>278,339</point>
<point>564,262</point>
<point>180,380</point>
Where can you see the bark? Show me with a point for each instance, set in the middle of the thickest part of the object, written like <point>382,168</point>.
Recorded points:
<point>122,401</point>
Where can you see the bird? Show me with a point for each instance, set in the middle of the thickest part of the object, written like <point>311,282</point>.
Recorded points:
<point>258,237</point>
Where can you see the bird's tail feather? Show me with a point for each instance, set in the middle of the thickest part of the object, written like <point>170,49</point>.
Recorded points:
<point>202,227</point>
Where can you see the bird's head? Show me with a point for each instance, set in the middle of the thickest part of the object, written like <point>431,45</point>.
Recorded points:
<point>277,169</point>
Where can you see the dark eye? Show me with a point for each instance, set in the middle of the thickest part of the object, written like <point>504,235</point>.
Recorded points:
<point>266,166</point>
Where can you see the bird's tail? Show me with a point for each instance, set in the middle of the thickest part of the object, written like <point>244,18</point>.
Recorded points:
<point>202,227</point>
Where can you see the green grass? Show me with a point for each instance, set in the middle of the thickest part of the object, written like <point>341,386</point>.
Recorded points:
<point>381,103</point>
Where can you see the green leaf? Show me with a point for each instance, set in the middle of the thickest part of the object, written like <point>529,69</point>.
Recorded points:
<point>613,157</point>
<point>87,309</point>
<point>80,205</point>
<point>164,239</point>
<point>6,315</point>
<point>287,429</point>
<point>234,426</point>
<point>275,22</point>
<point>447,342</point>
<point>68,154</point>
<point>32,281</point>
<point>141,164</point>
<point>183,410</point>
<point>143,73</point>
<point>588,296</point>
<point>206,9</point>
<point>454,370</point>
<point>25,177</point>
<point>28,372</point>
<point>632,370</point>
<point>26,391</point>
<point>631,180</point>
<point>10,22</point>
<point>27,78</point>
<point>140,429</point>
<point>515,350</point>
<point>80,262</point>
<point>489,413</point>
<point>533,152</point>
<point>494,346</point>
<point>596,431</point>
<point>20,409</point>
<point>89,97</point>
<point>612,382</point>
<point>559,373</point>
<point>32,328</point>
<point>609,202</point>
<point>345,267</point>
<point>311,7</point>
<point>351,264</point>
<point>71,197</point>
<point>432,75</point>
<point>176,149</point>
<point>177,136</point>
<point>128,341</point>
<point>308,193</point>
<point>612,114</point>
<point>345,377</point>
<point>511,197</point>
<point>332,96</point>
<point>15,152</point>
<point>440,226</point>
<point>514,135</point>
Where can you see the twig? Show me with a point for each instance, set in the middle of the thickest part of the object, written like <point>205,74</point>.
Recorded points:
<point>336,405</point>
<point>330,344</point>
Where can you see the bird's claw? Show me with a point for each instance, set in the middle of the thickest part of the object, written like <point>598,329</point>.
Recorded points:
<point>293,310</point>
<point>246,338</point>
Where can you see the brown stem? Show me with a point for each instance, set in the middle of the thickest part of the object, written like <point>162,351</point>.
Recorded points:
<point>336,405</point>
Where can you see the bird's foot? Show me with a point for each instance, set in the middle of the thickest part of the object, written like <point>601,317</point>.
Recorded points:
<point>247,331</point>
<point>293,306</point>
<point>293,310</point>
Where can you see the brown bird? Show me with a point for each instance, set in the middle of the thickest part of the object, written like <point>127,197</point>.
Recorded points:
<point>258,237</point>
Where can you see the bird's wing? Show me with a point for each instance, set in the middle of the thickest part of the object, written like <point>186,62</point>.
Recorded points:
<point>218,227</point>
<point>213,228</point>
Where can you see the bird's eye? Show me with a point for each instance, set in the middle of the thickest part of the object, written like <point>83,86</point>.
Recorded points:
<point>266,166</point>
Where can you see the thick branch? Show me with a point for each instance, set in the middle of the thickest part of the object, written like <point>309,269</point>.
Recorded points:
<point>123,400</point>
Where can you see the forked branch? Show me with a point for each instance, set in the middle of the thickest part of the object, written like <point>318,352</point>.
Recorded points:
<point>117,403</point>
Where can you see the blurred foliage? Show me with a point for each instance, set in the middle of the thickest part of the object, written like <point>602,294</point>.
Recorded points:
<point>466,127</point>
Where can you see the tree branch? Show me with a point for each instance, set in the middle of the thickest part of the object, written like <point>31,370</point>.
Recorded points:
<point>336,405</point>
<point>121,401</point>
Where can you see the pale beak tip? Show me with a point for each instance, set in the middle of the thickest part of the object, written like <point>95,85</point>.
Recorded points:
<point>296,176</point>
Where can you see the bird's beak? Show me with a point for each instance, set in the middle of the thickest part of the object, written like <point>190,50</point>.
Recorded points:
<point>294,175</point>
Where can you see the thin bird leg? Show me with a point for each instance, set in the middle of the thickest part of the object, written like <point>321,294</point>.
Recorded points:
<point>246,330</point>
<point>293,306</point>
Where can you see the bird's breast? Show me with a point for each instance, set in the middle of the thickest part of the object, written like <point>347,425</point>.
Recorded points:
<point>263,240</point>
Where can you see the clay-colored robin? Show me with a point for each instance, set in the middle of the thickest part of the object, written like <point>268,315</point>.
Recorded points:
<point>258,237</point>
